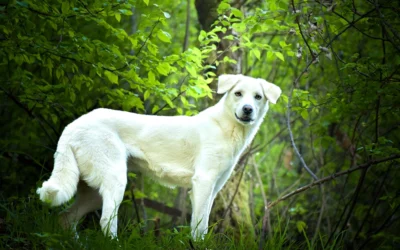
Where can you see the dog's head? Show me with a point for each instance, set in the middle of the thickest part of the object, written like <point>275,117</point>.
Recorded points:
<point>247,96</point>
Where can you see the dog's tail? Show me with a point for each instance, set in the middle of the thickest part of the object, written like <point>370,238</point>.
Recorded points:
<point>64,179</point>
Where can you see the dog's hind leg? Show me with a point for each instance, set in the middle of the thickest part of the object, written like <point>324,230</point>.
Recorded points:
<point>112,191</point>
<point>87,200</point>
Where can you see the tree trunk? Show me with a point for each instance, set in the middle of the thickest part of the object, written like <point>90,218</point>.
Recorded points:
<point>229,214</point>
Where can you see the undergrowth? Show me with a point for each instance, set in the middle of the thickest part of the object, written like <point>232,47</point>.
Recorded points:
<point>29,224</point>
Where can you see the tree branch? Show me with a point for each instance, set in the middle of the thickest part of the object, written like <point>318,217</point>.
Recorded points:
<point>302,35</point>
<point>266,222</point>
<point>292,139</point>
<point>234,194</point>
<point>186,39</point>
<point>176,97</point>
<point>333,176</point>
<point>29,113</point>
<point>140,49</point>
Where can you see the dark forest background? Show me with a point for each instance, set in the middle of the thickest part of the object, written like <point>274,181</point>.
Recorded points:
<point>323,171</point>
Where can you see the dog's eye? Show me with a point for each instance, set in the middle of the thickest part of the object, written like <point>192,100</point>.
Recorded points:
<point>258,97</point>
<point>238,93</point>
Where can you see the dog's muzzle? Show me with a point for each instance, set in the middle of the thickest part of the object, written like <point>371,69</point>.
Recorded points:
<point>244,118</point>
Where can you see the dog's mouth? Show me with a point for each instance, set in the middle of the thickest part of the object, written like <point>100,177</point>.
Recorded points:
<point>244,119</point>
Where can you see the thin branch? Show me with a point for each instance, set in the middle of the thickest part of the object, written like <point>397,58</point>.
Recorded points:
<point>87,9</point>
<point>295,83</point>
<point>301,33</point>
<point>259,147</point>
<point>381,227</point>
<point>292,139</point>
<point>41,13</point>
<point>355,198</point>
<point>62,33</point>
<point>176,97</point>
<point>376,197</point>
<point>321,213</point>
<point>234,194</point>
<point>187,33</point>
<point>263,53</point>
<point>266,222</point>
<point>333,176</point>
<point>350,23</point>
<point>141,47</point>
<point>134,204</point>
<point>329,44</point>
<point>383,20</point>
<point>70,16</point>
<point>29,113</point>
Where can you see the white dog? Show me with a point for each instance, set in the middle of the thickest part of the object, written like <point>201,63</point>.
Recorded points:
<point>198,152</point>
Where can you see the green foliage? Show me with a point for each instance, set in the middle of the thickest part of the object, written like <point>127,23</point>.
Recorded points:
<point>30,225</point>
<point>59,63</point>
<point>336,62</point>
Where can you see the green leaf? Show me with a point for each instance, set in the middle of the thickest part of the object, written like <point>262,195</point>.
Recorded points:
<point>59,73</point>
<point>239,27</point>
<point>113,78</point>
<point>89,104</point>
<point>282,44</point>
<point>146,2</point>
<point>71,33</point>
<point>256,53</point>
<point>154,109</point>
<point>301,225</point>
<point>146,95</point>
<point>118,17</point>
<point>191,69</point>
<point>52,24</point>
<point>272,6</point>
<point>151,77</point>
<point>223,7</point>
<point>138,194</point>
<point>304,114</point>
<point>54,118</point>
<point>169,101</point>
<point>152,48</point>
<point>126,12</point>
<point>202,35</point>
<point>65,7</point>
<point>72,96</point>
<point>164,68</point>
<point>167,15</point>
<point>284,98</point>
<point>236,13</point>
<point>279,55</point>
<point>23,4</point>
<point>164,36</point>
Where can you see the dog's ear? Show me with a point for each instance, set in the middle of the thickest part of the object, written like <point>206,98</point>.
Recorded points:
<point>271,91</point>
<point>226,82</point>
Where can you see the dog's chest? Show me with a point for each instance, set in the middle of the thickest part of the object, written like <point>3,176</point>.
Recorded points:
<point>238,140</point>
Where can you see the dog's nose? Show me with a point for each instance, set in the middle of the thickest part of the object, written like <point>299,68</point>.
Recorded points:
<point>247,109</point>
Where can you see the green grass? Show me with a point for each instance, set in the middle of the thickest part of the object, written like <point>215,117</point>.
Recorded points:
<point>30,224</point>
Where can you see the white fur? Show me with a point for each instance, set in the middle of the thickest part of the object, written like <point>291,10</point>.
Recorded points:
<point>198,152</point>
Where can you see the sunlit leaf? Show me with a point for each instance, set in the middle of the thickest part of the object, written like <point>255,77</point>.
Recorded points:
<point>113,78</point>
<point>164,36</point>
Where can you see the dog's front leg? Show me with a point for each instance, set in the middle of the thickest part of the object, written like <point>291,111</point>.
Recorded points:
<point>201,197</point>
